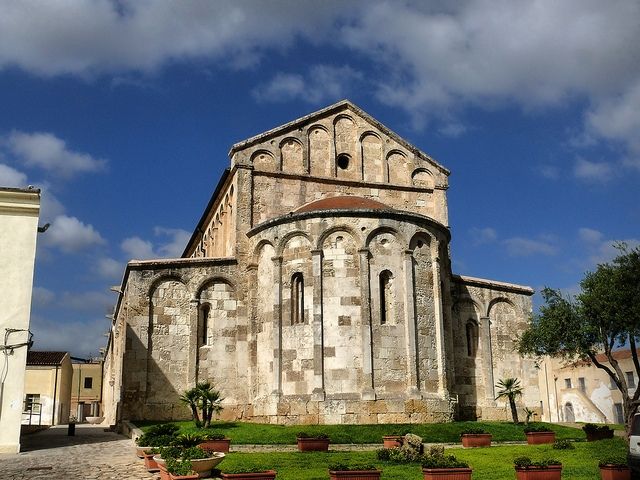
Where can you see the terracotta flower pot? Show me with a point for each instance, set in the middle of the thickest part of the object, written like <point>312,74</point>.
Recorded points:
<point>140,451</point>
<point>310,444</point>
<point>164,474</point>
<point>150,464</point>
<point>476,439</point>
<point>354,474</point>
<point>183,477</point>
<point>552,472</point>
<point>615,472</point>
<point>446,473</point>
<point>536,438</point>
<point>221,445</point>
<point>392,441</point>
<point>267,475</point>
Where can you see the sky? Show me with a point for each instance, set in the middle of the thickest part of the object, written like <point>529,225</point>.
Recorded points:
<point>123,113</point>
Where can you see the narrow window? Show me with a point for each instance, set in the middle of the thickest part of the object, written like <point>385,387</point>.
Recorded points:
<point>204,316</point>
<point>297,298</point>
<point>618,412</point>
<point>88,382</point>
<point>472,338</point>
<point>582,385</point>
<point>567,383</point>
<point>386,302</point>
<point>631,381</point>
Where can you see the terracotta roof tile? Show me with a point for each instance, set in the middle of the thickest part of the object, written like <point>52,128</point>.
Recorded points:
<point>45,358</point>
<point>348,202</point>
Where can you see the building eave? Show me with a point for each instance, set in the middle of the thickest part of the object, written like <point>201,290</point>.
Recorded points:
<point>493,284</point>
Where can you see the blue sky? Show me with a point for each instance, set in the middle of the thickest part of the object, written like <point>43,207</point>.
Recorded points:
<point>123,113</point>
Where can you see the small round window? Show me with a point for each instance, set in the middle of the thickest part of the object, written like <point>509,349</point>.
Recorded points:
<point>343,161</point>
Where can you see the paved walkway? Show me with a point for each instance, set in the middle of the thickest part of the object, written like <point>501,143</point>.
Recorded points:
<point>92,454</point>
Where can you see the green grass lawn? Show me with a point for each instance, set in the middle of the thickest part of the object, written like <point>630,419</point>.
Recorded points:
<point>242,433</point>
<point>492,463</point>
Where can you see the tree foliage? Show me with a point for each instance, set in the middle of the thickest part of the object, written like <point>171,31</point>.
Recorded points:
<point>604,316</point>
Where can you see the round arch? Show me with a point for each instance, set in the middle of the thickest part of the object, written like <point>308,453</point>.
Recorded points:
<point>285,239</point>
<point>339,228</point>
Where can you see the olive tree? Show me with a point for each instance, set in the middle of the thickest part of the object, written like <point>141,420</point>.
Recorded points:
<point>604,316</point>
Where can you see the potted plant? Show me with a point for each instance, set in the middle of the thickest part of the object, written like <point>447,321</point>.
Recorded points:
<point>180,469</point>
<point>392,441</point>
<point>156,436</point>
<point>245,473</point>
<point>548,469</point>
<point>202,461</point>
<point>614,468</point>
<point>597,432</point>
<point>354,472</point>
<point>215,442</point>
<point>537,434</point>
<point>475,437</point>
<point>436,466</point>
<point>307,443</point>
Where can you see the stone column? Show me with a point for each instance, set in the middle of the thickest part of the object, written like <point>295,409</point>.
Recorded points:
<point>439,320</point>
<point>413,384</point>
<point>318,393</point>
<point>192,359</point>
<point>368,392</point>
<point>487,359</point>
<point>277,326</point>
<point>252,313</point>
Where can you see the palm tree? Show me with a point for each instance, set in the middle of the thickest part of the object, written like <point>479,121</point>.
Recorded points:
<point>510,388</point>
<point>191,398</point>
<point>210,400</point>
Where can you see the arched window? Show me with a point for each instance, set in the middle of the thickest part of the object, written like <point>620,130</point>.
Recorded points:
<point>297,298</point>
<point>205,310</point>
<point>386,301</point>
<point>472,338</point>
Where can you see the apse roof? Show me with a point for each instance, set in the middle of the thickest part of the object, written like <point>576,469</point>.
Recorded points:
<point>346,202</point>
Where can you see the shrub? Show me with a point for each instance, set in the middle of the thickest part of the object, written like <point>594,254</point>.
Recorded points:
<point>319,436</point>
<point>563,445</point>
<point>384,454</point>
<point>213,436</point>
<point>435,458</point>
<point>526,462</point>
<point>179,467</point>
<point>189,439</point>
<point>168,452</point>
<point>537,428</point>
<point>192,453</point>
<point>473,431</point>
<point>352,466</point>
<point>158,435</point>
<point>244,469</point>
<point>615,460</point>
<point>593,428</point>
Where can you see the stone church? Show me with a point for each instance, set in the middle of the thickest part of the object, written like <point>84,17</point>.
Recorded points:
<point>317,288</point>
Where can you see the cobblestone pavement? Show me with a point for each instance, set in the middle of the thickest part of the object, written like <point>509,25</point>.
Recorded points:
<point>91,454</point>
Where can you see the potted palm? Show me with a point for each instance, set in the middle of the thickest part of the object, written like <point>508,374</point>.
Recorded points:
<point>308,443</point>
<point>548,469</point>
<point>245,473</point>
<point>475,437</point>
<point>614,468</point>
<point>537,434</point>
<point>438,466</point>
<point>342,471</point>
<point>597,432</point>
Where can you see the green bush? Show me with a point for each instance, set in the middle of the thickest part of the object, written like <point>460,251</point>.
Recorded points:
<point>563,445</point>
<point>179,467</point>
<point>537,428</point>
<point>189,439</point>
<point>593,428</point>
<point>351,466</point>
<point>213,436</point>
<point>616,460</point>
<point>435,458</point>
<point>473,431</point>
<point>526,462</point>
<point>319,436</point>
<point>192,453</point>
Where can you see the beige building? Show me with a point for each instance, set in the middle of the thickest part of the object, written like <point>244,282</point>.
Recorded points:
<point>317,288</point>
<point>86,389</point>
<point>47,388</point>
<point>581,392</point>
<point>19,210</point>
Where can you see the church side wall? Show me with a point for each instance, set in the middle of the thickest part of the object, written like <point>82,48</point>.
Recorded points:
<point>487,321</point>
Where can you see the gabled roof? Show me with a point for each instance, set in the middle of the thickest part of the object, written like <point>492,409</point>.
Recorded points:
<point>336,107</point>
<point>45,358</point>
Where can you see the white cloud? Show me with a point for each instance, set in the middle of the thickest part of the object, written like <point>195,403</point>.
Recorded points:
<point>171,244</point>
<point>109,268</point>
<point>42,296</point>
<point>50,153</point>
<point>524,247</point>
<point>88,301</point>
<point>599,248</point>
<point>589,235</point>
<point>137,248</point>
<point>322,84</point>
<point>483,235</point>
<point>71,235</point>
<point>593,171</point>
<point>10,177</point>
<point>79,338</point>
